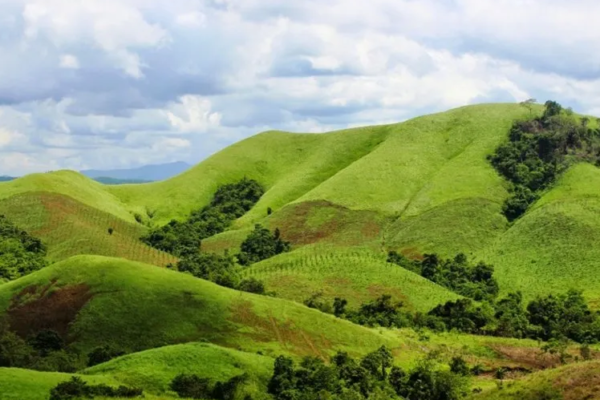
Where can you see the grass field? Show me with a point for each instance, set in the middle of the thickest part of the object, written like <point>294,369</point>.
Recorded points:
<point>343,199</point>
<point>575,381</point>
<point>154,369</point>
<point>22,384</point>
<point>554,246</point>
<point>358,275</point>
<point>96,300</point>
<point>70,228</point>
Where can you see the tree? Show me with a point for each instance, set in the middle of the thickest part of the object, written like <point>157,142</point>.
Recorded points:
<point>191,386</point>
<point>252,285</point>
<point>261,244</point>
<point>46,341</point>
<point>339,306</point>
<point>459,366</point>
<point>528,104</point>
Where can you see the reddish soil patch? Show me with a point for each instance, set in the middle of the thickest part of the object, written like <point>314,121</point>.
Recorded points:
<point>338,281</point>
<point>377,290</point>
<point>345,225</point>
<point>288,334</point>
<point>412,252</point>
<point>36,308</point>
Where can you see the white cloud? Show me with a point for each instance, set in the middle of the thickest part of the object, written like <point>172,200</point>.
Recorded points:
<point>193,114</point>
<point>69,61</point>
<point>119,82</point>
<point>191,20</point>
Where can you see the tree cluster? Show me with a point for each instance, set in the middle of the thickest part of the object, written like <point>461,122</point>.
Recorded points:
<point>76,388</point>
<point>46,351</point>
<point>551,317</point>
<point>20,253</point>
<point>538,150</point>
<point>230,202</point>
<point>262,244</point>
<point>221,270</point>
<point>192,386</point>
<point>373,377</point>
<point>473,281</point>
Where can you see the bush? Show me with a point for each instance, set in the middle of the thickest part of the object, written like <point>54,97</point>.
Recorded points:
<point>261,244</point>
<point>76,388</point>
<point>191,386</point>
<point>252,285</point>
<point>228,203</point>
<point>102,354</point>
<point>46,341</point>
<point>20,253</point>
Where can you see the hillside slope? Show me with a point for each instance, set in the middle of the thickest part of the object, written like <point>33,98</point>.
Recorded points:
<point>92,300</point>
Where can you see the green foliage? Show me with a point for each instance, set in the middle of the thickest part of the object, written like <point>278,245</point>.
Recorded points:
<point>102,354</point>
<point>381,312</point>
<point>219,269</point>
<point>76,388</point>
<point>195,387</point>
<point>538,151</point>
<point>262,244</point>
<point>459,366</point>
<point>230,202</point>
<point>212,267</point>
<point>14,351</point>
<point>46,341</point>
<point>252,285</point>
<point>191,386</point>
<point>565,315</point>
<point>474,281</point>
<point>20,253</point>
<point>372,377</point>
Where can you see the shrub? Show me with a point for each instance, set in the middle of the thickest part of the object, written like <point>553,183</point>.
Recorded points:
<point>102,354</point>
<point>262,244</point>
<point>252,285</point>
<point>191,386</point>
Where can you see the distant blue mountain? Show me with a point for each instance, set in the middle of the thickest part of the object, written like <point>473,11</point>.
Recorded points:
<point>6,178</point>
<point>146,173</point>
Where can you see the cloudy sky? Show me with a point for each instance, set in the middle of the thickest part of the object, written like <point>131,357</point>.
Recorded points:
<point>119,83</point>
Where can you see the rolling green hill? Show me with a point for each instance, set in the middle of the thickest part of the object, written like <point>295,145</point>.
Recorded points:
<point>343,199</point>
<point>93,300</point>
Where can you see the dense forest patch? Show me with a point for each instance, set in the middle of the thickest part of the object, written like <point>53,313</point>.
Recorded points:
<point>540,149</point>
<point>229,203</point>
<point>20,253</point>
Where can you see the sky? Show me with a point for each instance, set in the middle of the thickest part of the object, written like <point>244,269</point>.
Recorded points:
<point>121,83</point>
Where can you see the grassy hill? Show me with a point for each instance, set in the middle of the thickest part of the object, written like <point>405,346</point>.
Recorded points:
<point>356,275</point>
<point>343,199</point>
<point>94,300</point>
<point>69,227</point>
<point>154,369</point>
<point>22,384</point>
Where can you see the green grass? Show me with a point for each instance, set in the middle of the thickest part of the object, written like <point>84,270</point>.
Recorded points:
<point>574,382</point>
<point>137,306</point>
<point>22,384</point>
<point>358,275</point>
<point>70,228</point>
<point>554,246</point>
<point>72,184</point>
<point>154,369</point>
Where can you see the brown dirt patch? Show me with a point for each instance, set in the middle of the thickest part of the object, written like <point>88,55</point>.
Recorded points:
<point>291,337</point>
<point>37,307</point>
<point>412,252</point>
<point>529,357</point>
